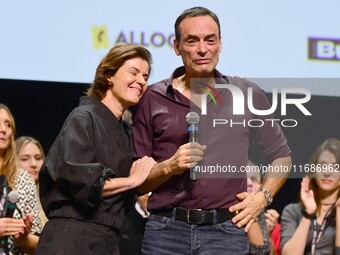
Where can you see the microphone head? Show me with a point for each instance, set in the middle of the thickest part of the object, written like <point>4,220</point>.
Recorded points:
<point>192,118</point>
<point>13,196</point>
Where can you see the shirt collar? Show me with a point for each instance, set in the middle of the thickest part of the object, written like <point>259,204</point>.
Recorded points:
<point>181,71</point>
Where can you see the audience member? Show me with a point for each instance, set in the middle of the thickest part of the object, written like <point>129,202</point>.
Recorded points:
<point>30,156</point>
<point>266,219</point>
<point>26,229</point>
<point>311,226</point>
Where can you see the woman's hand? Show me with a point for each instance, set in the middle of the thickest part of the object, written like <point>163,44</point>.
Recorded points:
<point>28,221</point>
<point>140,170</point>
<point>11,227</point>
<point>307,196</point>
<point>272,217</point>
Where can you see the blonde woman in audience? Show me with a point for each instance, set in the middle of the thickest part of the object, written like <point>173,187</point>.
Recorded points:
<point>312,226</point>
<point>30,156</point>
<point>24,232</point>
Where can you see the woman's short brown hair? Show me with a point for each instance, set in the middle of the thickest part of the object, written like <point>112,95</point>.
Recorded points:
<point>110,64</point>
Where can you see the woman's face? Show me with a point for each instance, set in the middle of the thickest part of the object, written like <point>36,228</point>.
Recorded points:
<point>6,130</point>
<point>30,159</point>
<point>130,81</point>
<point>252,185</point>
<point>327,179</point>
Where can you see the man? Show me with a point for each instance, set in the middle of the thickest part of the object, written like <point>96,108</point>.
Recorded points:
<point>204,216</point>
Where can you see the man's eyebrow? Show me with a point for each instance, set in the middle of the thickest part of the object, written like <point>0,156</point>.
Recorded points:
<point>189,36</point>
<point>211,35</point>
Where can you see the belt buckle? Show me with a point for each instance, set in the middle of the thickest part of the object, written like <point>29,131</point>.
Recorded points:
<point>188,216</point>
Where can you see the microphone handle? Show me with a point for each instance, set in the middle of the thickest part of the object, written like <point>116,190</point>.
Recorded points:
<point>193,133</point>
<point>193,176</point>
<point>193,137</point>
<point>10,210</point>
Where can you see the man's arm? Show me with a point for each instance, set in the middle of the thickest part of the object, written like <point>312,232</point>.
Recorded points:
<point>250,206</point>
<point>188,155</point>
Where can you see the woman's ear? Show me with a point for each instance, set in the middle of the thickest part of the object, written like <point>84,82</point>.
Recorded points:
<point>109,79</point>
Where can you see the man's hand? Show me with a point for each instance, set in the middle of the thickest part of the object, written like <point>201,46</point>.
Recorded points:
<point>187,156</point>
<point>247,209</point>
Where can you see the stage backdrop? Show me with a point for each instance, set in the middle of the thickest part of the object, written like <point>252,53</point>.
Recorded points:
<point>64,40</point>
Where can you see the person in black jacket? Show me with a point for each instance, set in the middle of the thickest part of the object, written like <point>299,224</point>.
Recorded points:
<point>88,178</point>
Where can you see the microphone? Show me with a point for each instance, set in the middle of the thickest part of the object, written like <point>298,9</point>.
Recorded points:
<point>193,119</point>
<point>13,198</point>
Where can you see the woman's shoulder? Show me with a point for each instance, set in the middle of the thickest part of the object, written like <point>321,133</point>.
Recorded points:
<point>293,209</point>
<point>23,178</point>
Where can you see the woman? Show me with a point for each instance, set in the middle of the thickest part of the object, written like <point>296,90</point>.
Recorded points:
<point>87,179</point>
<point>19,180</point>
<point>309,227</point>
<point>260,233</point>
<point>30,156</point>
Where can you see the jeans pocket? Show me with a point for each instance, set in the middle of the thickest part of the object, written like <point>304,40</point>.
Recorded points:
<point>157,222</point>
<point>230,228</point>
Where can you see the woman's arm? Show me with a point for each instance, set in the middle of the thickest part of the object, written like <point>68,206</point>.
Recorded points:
<point>255,235</point>
<point>337,229</point>
<point>297,242</point>
<point>139,172</point>
<point>26,240</point>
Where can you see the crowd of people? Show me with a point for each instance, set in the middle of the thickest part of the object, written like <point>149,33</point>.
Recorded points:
<point>113,183</point>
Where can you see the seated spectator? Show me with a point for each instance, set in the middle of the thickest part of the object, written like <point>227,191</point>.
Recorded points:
<point>23,232</point>
<point>309,227</point>
<point>30,156</point>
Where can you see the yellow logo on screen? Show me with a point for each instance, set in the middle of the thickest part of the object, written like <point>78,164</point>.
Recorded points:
<point>100,38</point>
<point>154,39</point>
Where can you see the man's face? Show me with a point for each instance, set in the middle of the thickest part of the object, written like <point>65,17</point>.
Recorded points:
<point>199,45</point>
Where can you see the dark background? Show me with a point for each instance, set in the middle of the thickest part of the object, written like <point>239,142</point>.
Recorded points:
<point>40,108</point>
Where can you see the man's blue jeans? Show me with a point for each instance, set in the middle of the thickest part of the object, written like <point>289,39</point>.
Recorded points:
<point>168,236</point>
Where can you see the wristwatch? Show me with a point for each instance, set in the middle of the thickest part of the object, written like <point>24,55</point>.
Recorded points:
<point>267,196</point>
<point>307,215</point>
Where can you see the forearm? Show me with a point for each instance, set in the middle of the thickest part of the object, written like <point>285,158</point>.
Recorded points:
<point>296,245</point>
<point>159,174</point>
<point>255,234</point>
<point>273,181</point>
<point>337,233</point>
<point>117,185</point>
<point>28,244</point>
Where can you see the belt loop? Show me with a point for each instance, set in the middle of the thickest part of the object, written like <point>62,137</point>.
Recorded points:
<point>173,216</point>
<point>214,217</point>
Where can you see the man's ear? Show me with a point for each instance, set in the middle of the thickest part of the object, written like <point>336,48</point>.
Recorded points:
<point>220,50</point>
<point>176,47</point>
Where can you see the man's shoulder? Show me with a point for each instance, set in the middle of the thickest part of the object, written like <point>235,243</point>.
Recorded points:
<point>156,89</point>
<point>242,82</point>
<point>160,86</point>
